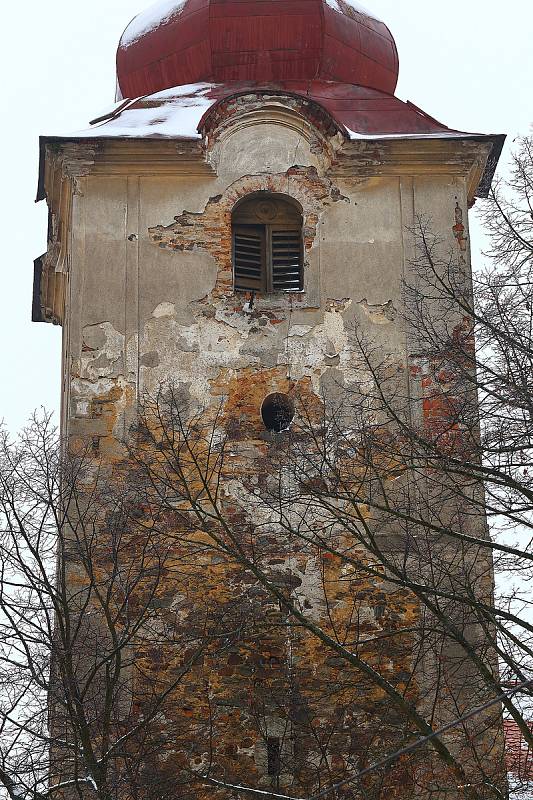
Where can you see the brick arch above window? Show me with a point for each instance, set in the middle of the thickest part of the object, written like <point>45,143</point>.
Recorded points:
<point>210,229</point>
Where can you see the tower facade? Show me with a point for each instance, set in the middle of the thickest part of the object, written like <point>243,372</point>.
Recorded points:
<point>227,237</point>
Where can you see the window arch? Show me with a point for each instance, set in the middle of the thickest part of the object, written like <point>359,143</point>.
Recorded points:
<point>267,244</point>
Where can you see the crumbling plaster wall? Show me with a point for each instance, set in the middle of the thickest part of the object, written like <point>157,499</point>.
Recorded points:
<point>151,300</point>
<point>159,290</point>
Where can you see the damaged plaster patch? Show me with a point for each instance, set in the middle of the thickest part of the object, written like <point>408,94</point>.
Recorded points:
<point>380,313</point>
<point>300,330</point>
<point>88,390</point>
<point>105,398</point>
<point>326,345</point>
<point>196,355</point>
<point>192,354</point>
<point>81,408</point>
<point>459,229</point>
<point>310,592</point>
<point>275,150</point>
<point>150,359</point>
<point>292,130</point>
<point>210,230</point>
<point>231,332</point>
<point>102,348</point>
<point>164,310</point>
<point>338,306</point>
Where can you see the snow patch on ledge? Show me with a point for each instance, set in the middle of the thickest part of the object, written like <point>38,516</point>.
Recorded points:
<point>355,5</point>
<point>151,19</point>
<point>354,136</point>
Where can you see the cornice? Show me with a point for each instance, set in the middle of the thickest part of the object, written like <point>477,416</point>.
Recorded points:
<point>363,158</point>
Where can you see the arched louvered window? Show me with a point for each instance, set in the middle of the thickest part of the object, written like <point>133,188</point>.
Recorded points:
<point>267,245</point>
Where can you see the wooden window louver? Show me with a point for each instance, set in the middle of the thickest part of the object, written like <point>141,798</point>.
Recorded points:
<point>267,246</point>
<point>248,257</point>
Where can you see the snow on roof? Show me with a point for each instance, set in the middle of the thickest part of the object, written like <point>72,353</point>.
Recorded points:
<point>154,16</point>
<point>353,4</point>
<point>177,112</point>
<point>172,113</point>
<point>187,90</point>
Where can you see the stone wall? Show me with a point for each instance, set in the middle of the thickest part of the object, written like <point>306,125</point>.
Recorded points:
<point>150,303</point>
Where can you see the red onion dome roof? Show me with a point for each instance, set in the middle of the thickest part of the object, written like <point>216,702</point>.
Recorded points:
<point>175,43</point>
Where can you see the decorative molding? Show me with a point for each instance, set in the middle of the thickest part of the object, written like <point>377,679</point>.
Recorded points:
<point>152,157</point>
<point>77,159</point>
<point>412,158</point>
<point>304,117</point>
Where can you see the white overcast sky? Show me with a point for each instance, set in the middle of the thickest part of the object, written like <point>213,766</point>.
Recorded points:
<point>469,64</point>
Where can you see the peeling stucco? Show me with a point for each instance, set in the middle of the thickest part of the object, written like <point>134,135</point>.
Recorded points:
<point>380,313</point>
<point>152,302</point>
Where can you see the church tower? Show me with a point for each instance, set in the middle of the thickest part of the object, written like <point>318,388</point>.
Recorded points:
<point>230,232</point>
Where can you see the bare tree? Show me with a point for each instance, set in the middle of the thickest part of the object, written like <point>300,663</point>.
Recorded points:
<point>321,593</point>
<point>346,594</point>
<point>419,479</point>
<point>85,627</point>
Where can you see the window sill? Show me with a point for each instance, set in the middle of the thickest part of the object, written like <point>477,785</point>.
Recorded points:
<point>300,299</point>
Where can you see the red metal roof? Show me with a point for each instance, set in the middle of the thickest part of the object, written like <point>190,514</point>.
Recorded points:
<point>355,110</point>
<point>181,60</point>
<point>178,43</point>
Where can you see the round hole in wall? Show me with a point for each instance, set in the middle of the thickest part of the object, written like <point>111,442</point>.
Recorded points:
<point>277,412</point>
